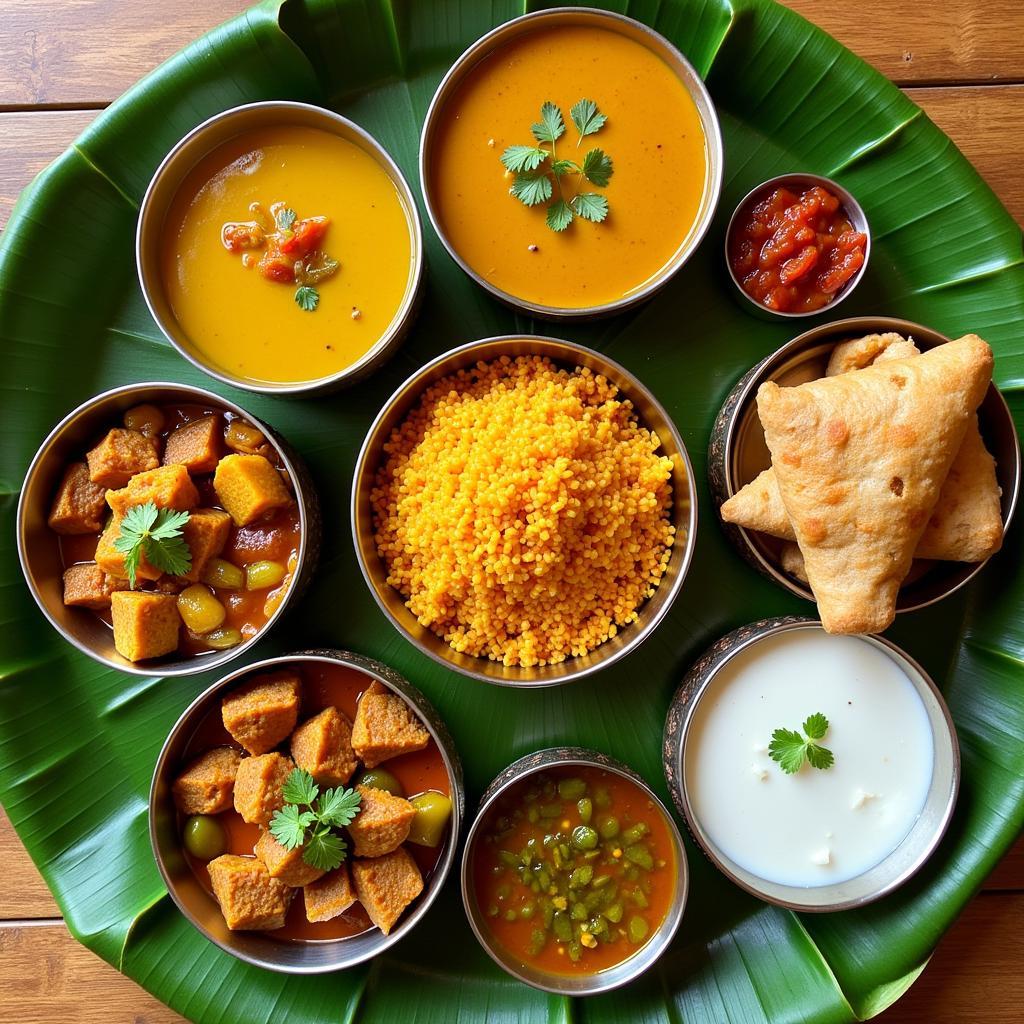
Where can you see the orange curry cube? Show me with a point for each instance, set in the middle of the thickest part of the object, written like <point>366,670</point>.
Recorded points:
<point>249,898</point>
<point>285,865</point>
<point>322,746</point>
<point>145,624</point>
<point>111,561</point>
<point>386,886</point>
<point>195,445</point>
<point>262,714</point>
<point>248,486</point>
<point>382,824</point>
<point>385,727</point>
<point>86,585</point>
<point>79,506</point>
<point>119,456</point>
<point>205,533</point>
<point>258,787</point>
<point>329,896</point>
<point>166,486</point>
<point>206,786</point>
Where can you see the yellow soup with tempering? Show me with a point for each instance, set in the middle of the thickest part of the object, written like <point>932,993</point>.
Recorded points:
<point>653,137</point>
<point>287,255</point>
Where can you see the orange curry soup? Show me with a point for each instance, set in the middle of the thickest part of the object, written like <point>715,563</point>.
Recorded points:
<point>653,135</point>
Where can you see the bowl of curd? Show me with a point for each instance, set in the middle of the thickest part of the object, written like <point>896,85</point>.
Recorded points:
<point>818,772</point>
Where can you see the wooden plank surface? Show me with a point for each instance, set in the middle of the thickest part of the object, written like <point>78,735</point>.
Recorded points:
<point>23,893</point>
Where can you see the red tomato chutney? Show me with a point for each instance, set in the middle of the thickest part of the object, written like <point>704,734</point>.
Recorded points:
<point>323,685</point>
<point>792,251</point>
<point>574,870</point>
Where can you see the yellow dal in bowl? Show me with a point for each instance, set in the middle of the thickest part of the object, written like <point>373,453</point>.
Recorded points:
<point>247,327</point>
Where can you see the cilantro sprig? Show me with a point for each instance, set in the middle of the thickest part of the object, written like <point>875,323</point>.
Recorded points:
<point>790,749</point>
<point>308,819</point>
<point>155,533</point>
<point>538,171</point>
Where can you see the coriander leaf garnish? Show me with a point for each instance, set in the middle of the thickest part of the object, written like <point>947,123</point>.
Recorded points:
<point>285,218</point>
<point>156,534</point>
<point>790,748</point>
<point>536,179</point>
<point>551,127</point>
<point>587,118</point>
<point>312,828</point>
<point>307,298</point>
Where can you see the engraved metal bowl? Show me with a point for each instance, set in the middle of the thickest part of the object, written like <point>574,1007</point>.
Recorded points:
<point>576,985</point>
<point>38,545</point>
<point>737,452</point>
<point>650,414</point>
<point>262,949</point>
<point>891,872</point>
<point>176,166</point>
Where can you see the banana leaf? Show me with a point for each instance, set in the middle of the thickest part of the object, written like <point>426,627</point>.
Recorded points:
<point>78,742</point>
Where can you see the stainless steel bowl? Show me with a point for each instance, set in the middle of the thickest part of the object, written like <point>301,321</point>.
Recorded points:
<point>262,949</point>
<point>38,547</point>
<point>602,981</point>
<point>176,166</point>
<point>924,836</point>
<point>855,212</point>
<point>662,48</point>
<point>651,415</point>
<point>737,452</point>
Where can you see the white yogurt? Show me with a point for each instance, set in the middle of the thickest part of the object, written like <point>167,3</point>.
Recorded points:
<point>816,827</point>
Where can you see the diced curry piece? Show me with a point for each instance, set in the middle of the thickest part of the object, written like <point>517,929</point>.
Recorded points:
<point>111,561</point>
<point>382,824</point>
<point>249,898</point>
<point>386,886</point>
<point>322,746</point>
<point>258,787</point>
<point>329,896</point>
<point>86,585</point>
<point>385,727</point>
<point>166,486</point>
<point>79,506</point>
<point>262,713</point>
<point>145,624</point>
<point>195,445</point>
<point>205,533</point>
<point>248,486</point>
<point>207,784</point>
<point>119,456</point>
<point>283,864</point>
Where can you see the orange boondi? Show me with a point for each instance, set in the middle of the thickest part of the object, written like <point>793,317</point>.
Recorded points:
<point>523,512</point>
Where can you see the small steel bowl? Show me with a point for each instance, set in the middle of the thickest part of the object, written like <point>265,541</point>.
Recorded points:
<point>854,211</point>
<point>38,547</point>
<point>650,414</point>
<point>613,977</point>
<point>890,873</point>
<point>662,48</point>
<point>262,949</point>
<point>737,453</point>
<point>176,166</point>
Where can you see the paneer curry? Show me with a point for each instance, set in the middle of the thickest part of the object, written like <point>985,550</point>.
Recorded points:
<point>179,528</point>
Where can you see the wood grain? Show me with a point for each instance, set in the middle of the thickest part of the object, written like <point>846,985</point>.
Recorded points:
<point>23,893</point>
<point>48,977</point>
<point>948,41</point>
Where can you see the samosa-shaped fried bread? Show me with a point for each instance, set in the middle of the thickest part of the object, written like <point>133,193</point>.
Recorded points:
<point>860,460</point>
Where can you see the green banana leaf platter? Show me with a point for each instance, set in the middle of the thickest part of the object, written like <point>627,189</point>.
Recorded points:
<point>78,742</point>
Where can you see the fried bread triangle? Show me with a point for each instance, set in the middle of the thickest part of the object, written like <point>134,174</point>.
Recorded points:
<point>860,460</point>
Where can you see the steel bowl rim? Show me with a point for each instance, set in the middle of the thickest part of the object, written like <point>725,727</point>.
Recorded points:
<point>901,657</point>
<point>838,327</point>
<point>203,663</point>
<point>857,217</point>
<point>329,656</point>
<point>404,313</point>
<point>588,758</point>
<point>461,352</point>
<point>711,126</point>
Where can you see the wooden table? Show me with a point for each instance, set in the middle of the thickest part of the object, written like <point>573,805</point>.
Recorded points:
<point>60,62</point>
